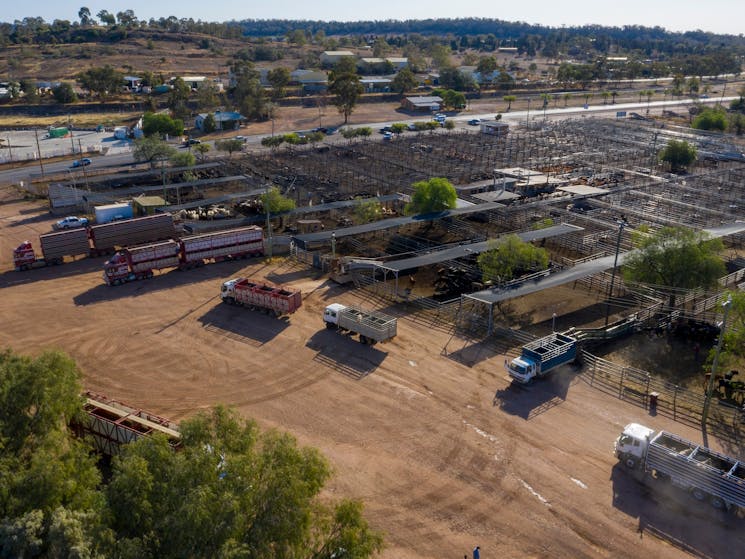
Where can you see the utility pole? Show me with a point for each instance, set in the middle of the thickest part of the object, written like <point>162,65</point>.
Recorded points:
<point>268,221</point>
<point>621,224</point>
<point>85,173</point>
<point>726,305</point>
<point>38,148</point>
<point>10,151</point>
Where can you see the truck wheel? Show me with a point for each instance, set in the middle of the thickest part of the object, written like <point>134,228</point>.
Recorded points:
<point>330,326</point>
<point>363,339</point>
<point>630,462</point>
<point>698,494</point>
<point>718,503</point>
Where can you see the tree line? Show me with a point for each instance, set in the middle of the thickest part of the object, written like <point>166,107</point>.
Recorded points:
<point>232,491</point>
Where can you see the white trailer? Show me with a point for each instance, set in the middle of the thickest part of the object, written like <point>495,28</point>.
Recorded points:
<point>371,326</point>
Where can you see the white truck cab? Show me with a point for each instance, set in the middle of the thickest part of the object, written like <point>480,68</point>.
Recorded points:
<point>331,314</point>
<point>521,369</point>
<point>631,445</point>
<point>228,288</point>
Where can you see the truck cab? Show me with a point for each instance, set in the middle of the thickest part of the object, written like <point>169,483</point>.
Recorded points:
<point>227,291</point>
<point>631,445</point>
<point>521,369</point>
<point>331,314</point>
<point>24,256</point>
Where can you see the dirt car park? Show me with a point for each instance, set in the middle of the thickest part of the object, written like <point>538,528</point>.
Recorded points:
<point>425,429</point>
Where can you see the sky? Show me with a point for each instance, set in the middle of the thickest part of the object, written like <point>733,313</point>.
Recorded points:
<point>717,16</point>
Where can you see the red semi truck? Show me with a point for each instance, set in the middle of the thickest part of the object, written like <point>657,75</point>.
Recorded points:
<point>140,262</point>
<point>94,240</point>
<point>257,295</point>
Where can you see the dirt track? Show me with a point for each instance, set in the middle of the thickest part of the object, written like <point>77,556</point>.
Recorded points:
<point>445,456</point>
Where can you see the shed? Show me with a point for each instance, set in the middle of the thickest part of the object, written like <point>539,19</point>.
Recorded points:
<point>146,205</point>
<point>309,225</point>
<point>424,103</point>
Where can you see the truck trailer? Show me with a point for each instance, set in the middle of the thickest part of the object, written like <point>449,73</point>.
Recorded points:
<point>262,296</point>
<point>140,262</point>
<point>541,356</point>
<point>94,240</point>
<point>707,475</point>
<point>371,326</point>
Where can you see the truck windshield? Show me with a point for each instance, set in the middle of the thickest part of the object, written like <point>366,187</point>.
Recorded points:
<point>625,440</point>
<point>519,368</point>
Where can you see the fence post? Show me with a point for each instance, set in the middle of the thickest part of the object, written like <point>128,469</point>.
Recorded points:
<point>646,393</point>
<point>594,369</point>
<point>675,401</point>
<point>620,384</point>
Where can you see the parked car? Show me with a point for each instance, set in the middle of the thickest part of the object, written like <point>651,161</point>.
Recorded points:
<point>474,121</point>
<point>192,142</point>
<point>386,130</point>
<point>387,136</point>
<point>82,162</point>
<point>71,222</point>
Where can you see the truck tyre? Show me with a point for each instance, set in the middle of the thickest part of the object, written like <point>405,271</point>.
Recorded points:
<point>698,494</point>
<point>363,339</point>
<point>718,503</point>
<point>330,325</point>
<point>630,462</point>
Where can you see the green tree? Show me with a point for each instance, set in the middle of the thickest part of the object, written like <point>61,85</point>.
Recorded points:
<point>278,78</point>
<point>85,17</point>
<point>178,99</point>
<point>208,97</point>
<point>711,119</point>
<point>202,150</point>
<point>509,99</point>
<point>274,202</point>
<point>101,81</point>
<point>252,98</point>
<point>733,342</point>
<point>567,97</point>
<point>347,89</point>
<point>106,18</point>
<point>30,91</point>
<point>232,491</point>
<point>366,211</point>
<point>64,93</point>
<point>272,141</point>
<point>152,149</point>
<point>509,257</point>
<point>404,81</point>
<point>675,258</point>
<point>209,124</point>
<point>433,195</point>
<point>230,146</point>
<point>160,124</point>
<point>679,154</point>
<point>46,474</point>
<point>486,65</point>
<point>183,159</point>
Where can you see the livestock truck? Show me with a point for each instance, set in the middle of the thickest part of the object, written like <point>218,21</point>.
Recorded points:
<point>371,326</point>
<point>707,475</point>
<point>542,356</point>
<point>262,296</point>
<point>140,262</point>
<point>93,240</point>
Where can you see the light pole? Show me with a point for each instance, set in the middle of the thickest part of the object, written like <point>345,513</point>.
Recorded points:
<point>553,322</point>
<point>621,224</point>
<point>333,245</point>
<point>527,114</point>
<point>268,221</point>
<point>726,305</point>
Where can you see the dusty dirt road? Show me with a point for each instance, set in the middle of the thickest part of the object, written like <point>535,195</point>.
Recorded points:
<point>445,456</point>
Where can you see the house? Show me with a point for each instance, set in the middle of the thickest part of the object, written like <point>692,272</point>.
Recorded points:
<point>193,81</point>
<point>147,205</point>
<point>424,103</point>
<point>224,120</point>
<point>376,84</point>
<point>311,81</point>
<point>507,50</point>
<point>331,57</point>
<point>382,65</point>
<point>399,63</point>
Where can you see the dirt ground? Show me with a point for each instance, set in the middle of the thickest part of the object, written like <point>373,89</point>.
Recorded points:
<point>445,456</point>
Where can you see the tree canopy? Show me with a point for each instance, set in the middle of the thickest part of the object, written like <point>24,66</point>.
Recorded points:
<point>675,258</point>
<point>274,202</point>
<point>679,154</point>
<point>232,490</point>
<point>152,149</point>
<point>433,195</point>
<point>160,125</point>
<point>509,257</point>
<point>101,81</point>
<point>347,89</point>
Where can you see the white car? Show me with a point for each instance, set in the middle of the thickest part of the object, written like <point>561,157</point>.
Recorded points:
<point>71,222</point>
